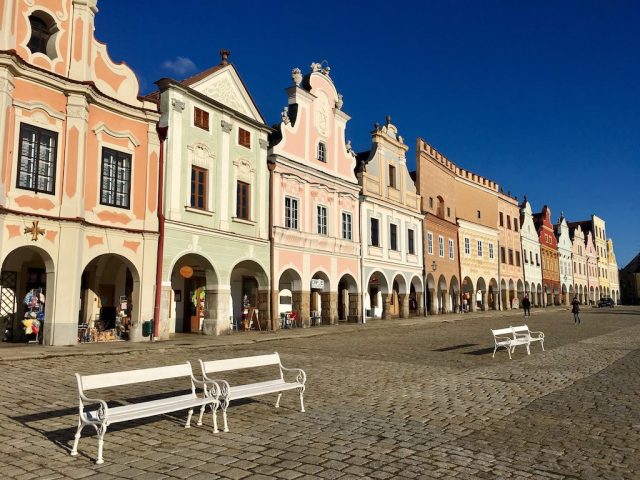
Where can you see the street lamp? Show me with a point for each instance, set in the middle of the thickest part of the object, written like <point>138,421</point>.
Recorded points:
<point>434,266</point>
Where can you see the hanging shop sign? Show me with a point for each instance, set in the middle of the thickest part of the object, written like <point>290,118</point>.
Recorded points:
<point>186,271</point>
<point>317,283</point>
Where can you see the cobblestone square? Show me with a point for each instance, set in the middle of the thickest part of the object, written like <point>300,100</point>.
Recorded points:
<point>393,399</point>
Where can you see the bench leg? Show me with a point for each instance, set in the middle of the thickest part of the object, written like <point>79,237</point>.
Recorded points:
<point>542,344</point>
<point>301,390</point>
<point>278,400</point>
<point>494,351</point>
<point>188,424</point>
<point>509,352</point>
<point>202,409</point>
<point>101,430</point>
<point>225,405</point>
<point>74,450</point>
<point>214,413</point>
<point>528,350</point>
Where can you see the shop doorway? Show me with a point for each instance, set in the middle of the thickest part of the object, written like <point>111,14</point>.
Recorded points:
<point>192,276</point>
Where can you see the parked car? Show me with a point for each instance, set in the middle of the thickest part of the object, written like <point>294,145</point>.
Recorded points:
<point>606,302</point>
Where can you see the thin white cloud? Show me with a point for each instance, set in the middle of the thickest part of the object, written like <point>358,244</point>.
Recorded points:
<point>180,66</point>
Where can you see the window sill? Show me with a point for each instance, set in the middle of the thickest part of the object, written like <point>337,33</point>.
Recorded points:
<point>199,211</point>
<point>242,220</point>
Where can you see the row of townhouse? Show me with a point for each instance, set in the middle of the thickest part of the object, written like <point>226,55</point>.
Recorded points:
<point>185,207</point>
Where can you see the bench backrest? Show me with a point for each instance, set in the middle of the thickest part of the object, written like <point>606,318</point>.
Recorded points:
<point>521,329</point>
<point>239,363</point>
<point>501,332</point>
<point>115,379</point>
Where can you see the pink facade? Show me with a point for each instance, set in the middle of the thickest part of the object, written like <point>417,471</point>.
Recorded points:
<point>316,267</point>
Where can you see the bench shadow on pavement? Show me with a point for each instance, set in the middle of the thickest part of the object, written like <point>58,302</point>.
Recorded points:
<point>480,351</point>
<point>63,437</point>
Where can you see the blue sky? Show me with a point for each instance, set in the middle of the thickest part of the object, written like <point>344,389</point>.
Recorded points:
<point>542,96</point>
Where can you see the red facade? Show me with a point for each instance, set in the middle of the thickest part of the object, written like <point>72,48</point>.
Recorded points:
<point>549,252</point>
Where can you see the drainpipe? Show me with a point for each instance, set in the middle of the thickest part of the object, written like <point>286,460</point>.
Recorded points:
<point>162,130</point>
<point>499,283</point>
<point>461,286</point>
<point>362,286</point>
<point>275,302</point>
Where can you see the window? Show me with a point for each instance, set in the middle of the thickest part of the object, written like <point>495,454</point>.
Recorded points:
<point>242,200</point>
<point>322,152</point>
<point>478,213</point>
<point>441,246</point>
<point>515,224</point>
<point>393,232</point>
<point>501,219</point>
<point>37,159</point>
<point>244,137</point>
<point>511,256</point>
<point>440,211</point>
<point>346,226</point>
<point>531,257</point>
<point>537,260</point>
<point>375,232</point>
<point>198,188</point>
<point>201,118</point>
<point>430,202</point>
<point>524,256</point>
<point>479,248</point>
<point>411,241</point>
<point>449,212</point>
<point>491,253</point>
<point>392,176</point>
<point>467,246</point>
<point>503,255</point>
<point>430,243</point>
<point>115,184</point>
<point>322,220</point>
<point>451,249</point>
<point>43,30</point>
<point>509,222</point>
<point>291,213</point>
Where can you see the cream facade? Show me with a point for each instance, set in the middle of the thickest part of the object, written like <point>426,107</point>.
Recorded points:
<point>565,250</point>
<point>532,258</point>
<point>391,217</point>
<point>511,273</point>
<point>614,282</point>
<point>79,177</point>
<point>593,278</point>
<point>600,243</point>
<point>216,254</point>
<point>579,264</point>
<point>315,205</point>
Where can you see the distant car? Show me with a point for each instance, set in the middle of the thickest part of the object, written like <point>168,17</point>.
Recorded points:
<point>606,302</point>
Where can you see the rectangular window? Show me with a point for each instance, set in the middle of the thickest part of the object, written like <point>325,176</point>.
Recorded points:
<point>515,224</point>
<point>491,253</point>
<point>524,256</point>
<point>346,226</point>
<point>503,256</point>
<point>115,184</point>
<point>244,137</point>
<point>451,249</point>
<point>430,202</point>
<point>375,232</point>
<point>531,257</point>
<point>411,242</point>
<point>478,213</point>
<point>243,199</point>
<point>467,246</point>
<point>511,256</point>
<point>201,118</point>
<point>517,258</point>
<point>501,219</point>
<point>448,212</point>
<point>441,246</point>
<point>291,213</point>
<point>393,233</point>
<point>37,159</point>
<point>392,176</point>
<point>322,220</point>
<point>430,243</point>
<point>537,260</point>
<point>479,248</point>
<point>509,222</point>
<point>198,188</point>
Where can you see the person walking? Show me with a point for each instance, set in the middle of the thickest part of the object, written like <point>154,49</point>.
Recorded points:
<point>526,304</point>
<point>575,309</point>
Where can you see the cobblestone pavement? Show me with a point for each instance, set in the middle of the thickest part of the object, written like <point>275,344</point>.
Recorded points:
<point>407,399</point>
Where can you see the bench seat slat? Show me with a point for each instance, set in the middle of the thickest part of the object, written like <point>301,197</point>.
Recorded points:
<point>229,364</point>
<point>246,391</point>
<point>143,410</point>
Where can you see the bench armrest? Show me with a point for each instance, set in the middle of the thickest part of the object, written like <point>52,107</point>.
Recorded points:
<point>502,339</point>
<point>537,334</point>
<point>103,410</point>
<point>204,385</point>
<point>217,387</point>
<point>301,377</point>
<point>522,336</point>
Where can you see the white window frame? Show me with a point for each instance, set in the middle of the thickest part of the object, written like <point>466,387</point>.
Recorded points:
<point>491,253</point>
<point>479,244</point>
<point>323,150</point>
<point>397,249</point>
<point>414,242</point>
<point>430,243</point>
<point>343,216</point>
<point>297,211</point>
<point>322,228</point>
<point>467,246</point>
<point>451,253</point>
<point>440,246</point>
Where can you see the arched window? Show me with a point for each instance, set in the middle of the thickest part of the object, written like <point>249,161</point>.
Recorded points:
<point>43,33</point>
<point>440,211</point>
<point>322,152</point>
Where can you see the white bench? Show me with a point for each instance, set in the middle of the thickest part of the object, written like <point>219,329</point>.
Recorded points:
<point>522,333</point>
<point>505,338</point>
<point>227,393</point>
<point>103,416</point>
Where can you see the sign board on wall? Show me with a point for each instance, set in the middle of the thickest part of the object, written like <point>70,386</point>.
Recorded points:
<point>317,283</point>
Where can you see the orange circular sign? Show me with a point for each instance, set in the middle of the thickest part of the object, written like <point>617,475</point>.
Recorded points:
<point>186,271</point>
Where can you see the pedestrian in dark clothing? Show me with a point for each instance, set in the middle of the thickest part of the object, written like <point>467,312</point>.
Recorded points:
<point>575,309</point>
<point>526,304</point>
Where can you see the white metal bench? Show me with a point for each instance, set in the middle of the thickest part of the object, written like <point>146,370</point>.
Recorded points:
<point>103,416</point>
<point>228,393</point>
<point>522,333</point>
<point>505,338</point>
